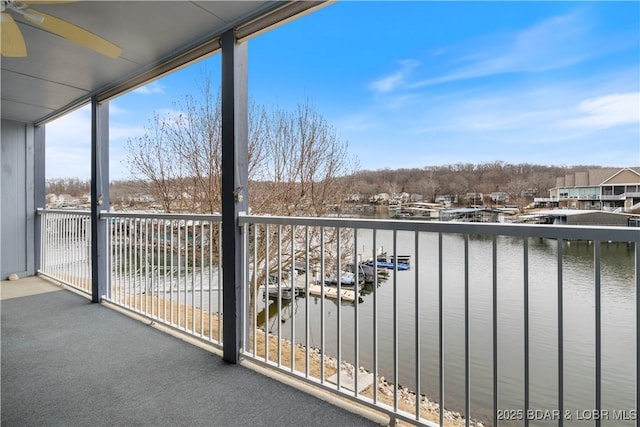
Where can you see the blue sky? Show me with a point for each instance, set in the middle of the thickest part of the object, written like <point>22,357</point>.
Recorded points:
<point>412,84</point>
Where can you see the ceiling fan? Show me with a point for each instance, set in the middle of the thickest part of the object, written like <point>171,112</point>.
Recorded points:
<point>12,42</point>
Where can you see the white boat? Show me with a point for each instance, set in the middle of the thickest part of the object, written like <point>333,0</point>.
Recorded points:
<point>347,279</point>
<point>285,291</point>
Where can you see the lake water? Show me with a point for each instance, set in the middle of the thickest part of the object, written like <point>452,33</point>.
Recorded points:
<point>618,324</point>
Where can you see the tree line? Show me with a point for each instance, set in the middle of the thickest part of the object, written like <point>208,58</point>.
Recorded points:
<point>520,181</point>
<point>429,181</point>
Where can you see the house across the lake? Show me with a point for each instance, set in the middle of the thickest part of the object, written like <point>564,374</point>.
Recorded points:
<point>607,189</point>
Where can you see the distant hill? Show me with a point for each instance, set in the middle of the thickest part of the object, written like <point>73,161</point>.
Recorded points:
<point>521,181</point>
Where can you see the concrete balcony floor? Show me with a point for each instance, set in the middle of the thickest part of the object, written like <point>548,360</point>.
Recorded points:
<point>68,362</point>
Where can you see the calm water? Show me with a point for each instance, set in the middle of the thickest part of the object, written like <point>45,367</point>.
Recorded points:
<point>618,324</point>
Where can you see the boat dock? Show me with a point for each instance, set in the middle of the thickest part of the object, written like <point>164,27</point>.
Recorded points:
<point>347,295</point>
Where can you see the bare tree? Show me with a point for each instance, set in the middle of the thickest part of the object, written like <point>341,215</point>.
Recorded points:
<point>297,166</point>
<point>302,173</point>
<point>303,165</point>
<point>151,158</point>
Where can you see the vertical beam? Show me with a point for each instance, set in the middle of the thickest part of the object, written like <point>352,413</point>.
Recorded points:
<point>39,185</point>
<point>234,186</point>
<point>29,200</point>
<point>99,197</point>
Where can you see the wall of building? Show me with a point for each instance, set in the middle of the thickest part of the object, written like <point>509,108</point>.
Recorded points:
<point>17,209</point>
<point>598,218</point>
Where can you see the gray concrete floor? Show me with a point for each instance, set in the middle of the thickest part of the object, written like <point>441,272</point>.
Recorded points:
<point>68,362</point>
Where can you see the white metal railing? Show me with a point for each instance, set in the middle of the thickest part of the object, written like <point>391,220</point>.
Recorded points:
<point>167,267</point>
<point>65,249</point>
<point>440,334</point>
<point>489,320</point>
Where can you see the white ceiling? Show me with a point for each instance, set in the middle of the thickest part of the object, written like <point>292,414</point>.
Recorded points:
<point>58,74</point>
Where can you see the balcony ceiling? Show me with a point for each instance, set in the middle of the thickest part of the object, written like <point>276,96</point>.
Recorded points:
<point>58,75</point>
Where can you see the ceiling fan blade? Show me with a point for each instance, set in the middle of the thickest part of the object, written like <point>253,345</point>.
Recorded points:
<point>11,40</point>
<point>74,33</point>
<point>48,1</point>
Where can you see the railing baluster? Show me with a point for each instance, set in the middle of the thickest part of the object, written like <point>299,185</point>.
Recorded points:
<point>138,264</point>
<point>179,266</point>
<point>560,336</point>
<point>525,253</point>
<point>375,318</point>
<point>187,266</point>
<point>440,334</point>
<point>279,298</point>
<point>494,323</point>
<point>65,251</point>
<point>60,250</point>
<point>164,271</point>
<point>74,251</point>
<point>146,266</point>
<point>254,318</point>
<point>171,270</point>
<point>598,332</point>
<point>201,246</point>
<point>356,319</point>
<point>267,264</point>
<point>158,269</point>
<point>322,347</point>
<point>219,229</point>
<point>293,298</point>
<point>416,314</point>
<point>55,238</point>
<point>219,282</point>
<point>130,274</point>
<point>193,276</point>
<point>467,373</point>
<point>339,310</point>
<point>306,302</point>
<point>396,378</point>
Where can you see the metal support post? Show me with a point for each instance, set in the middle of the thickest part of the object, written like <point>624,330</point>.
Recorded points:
<point>234,186</point>
<point>99,198</point>
<point>39,183</point>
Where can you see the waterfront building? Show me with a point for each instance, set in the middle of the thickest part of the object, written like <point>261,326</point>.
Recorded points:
<point>608,189</point>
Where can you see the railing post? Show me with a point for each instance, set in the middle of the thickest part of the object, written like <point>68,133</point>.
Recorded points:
<point>234,187</point>
<point>99,197</point>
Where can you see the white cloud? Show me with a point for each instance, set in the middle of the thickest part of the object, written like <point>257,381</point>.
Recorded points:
<point>606,111</point>
<point>395,80</point>
<point>357,122</point>
<point>118,131</point>
<point>71,129</point>
<point>68,144</point>
<point>116,110</point>
<point>150,88</point>
<point>555,43</point>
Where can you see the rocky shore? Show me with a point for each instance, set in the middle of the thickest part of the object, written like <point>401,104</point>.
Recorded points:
<point>406,397</point>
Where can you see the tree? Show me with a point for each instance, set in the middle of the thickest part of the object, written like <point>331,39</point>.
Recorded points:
<point>297,165</point>
<point>301,173</point>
